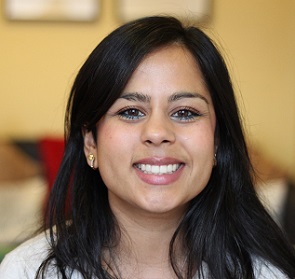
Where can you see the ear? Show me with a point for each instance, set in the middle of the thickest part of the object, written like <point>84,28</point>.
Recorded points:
<point>89,147</point>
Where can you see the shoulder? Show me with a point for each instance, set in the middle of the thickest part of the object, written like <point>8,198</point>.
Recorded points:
<point>262,270</point>
<point>265,270</point>
<point>24,261</point>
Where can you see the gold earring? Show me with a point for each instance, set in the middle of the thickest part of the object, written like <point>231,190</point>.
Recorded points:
<point>91,158</point>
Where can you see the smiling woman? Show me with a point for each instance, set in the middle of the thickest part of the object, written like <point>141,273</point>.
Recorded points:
<point>156,170</point>
<point>155,129</point>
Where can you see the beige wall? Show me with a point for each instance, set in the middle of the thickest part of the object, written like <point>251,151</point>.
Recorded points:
<point>39,60</point>
<point>259,39</point>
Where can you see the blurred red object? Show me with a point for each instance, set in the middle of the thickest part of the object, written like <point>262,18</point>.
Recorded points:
<point>51,151</point>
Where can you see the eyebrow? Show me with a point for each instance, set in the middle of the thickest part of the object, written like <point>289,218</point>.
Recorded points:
<point>139,97</point>
<point>182,95</point>
<point>136,97</point>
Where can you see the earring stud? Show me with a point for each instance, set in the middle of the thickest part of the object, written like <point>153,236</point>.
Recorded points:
<point>91,159</point>
<point>214,160</point>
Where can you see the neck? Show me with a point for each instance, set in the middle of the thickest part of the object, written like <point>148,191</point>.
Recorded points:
<point>143,249</point>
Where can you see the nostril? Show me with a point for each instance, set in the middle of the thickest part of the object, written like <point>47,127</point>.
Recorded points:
<point>149,142</point>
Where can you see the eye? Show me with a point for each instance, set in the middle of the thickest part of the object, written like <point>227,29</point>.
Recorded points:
<point>130,114</point>
<point>185,114</point>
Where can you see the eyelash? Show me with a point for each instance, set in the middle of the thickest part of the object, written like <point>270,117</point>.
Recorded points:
<point>133,114</point>
<point>123,113</point>
<point>191,114</point>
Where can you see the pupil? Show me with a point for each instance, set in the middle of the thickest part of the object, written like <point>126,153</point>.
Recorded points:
<point>183,113</point>
<point>133,112</point>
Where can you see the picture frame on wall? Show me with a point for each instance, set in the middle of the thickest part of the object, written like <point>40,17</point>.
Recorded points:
<point>198,10</point>
<point>52,10</point>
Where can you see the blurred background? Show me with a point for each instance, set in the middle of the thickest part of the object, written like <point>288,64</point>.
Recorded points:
<point>41,54</point>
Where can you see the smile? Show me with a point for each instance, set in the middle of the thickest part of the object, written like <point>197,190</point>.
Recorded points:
<point>158,170</point>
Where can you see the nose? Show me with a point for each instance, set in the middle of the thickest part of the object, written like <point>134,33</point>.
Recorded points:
<point>158,130</point>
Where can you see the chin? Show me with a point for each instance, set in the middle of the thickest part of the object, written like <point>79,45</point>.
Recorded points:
<point>164,208</point>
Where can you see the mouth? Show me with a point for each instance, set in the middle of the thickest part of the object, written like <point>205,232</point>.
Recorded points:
<point>158,169</point>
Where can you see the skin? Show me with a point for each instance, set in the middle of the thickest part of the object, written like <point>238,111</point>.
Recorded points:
<point>164,116</point>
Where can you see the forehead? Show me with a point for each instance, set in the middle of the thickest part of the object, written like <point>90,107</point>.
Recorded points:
<point>167,56</point>
<point>168,69</point>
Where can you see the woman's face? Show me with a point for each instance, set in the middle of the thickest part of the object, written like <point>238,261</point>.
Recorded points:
<point>155,145</point>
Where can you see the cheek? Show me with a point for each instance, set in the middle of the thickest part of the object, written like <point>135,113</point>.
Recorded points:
<point>113,142</point>
<point>105,141</point>
<point>104,134</point>
<point>108,134</point>
<point>198,139</point>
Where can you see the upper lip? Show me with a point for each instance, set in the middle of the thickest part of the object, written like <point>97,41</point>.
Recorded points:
<point>158,161</point>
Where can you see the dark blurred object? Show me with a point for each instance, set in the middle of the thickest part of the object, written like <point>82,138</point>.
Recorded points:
<point>288,218</point>
<point>29,147</point>
<point>269,173</point>
<point>16,164</point>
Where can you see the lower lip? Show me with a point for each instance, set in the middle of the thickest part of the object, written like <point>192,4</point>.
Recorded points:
<point>159,179</point>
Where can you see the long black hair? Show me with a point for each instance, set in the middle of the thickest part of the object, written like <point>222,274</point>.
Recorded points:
<point>225,226</point>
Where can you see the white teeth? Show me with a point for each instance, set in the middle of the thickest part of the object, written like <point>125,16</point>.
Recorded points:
<point>163,169</point>
<point>154,169</point>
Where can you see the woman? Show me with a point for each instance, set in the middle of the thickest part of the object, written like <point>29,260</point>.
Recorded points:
<point>155,181</point>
